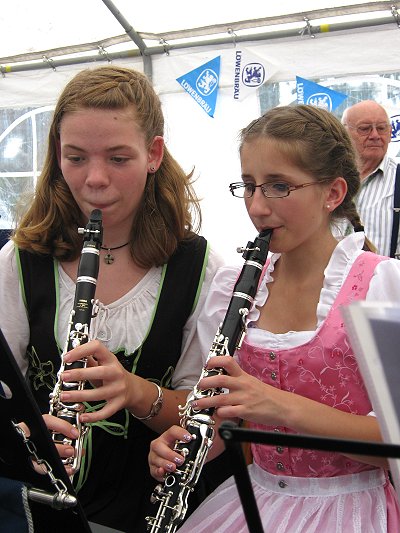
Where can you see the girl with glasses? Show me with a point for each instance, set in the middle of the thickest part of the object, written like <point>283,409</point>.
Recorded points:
<point>295,371</point>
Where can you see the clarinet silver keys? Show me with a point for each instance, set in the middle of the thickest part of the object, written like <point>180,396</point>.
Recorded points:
<point>78,333</point>
<point>172,495</point>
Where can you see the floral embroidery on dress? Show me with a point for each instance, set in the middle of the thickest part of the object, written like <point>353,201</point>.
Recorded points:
<point>128,362</point>
<point>40,374</point>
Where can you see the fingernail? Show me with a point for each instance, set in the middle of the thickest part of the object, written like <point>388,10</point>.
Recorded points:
<point>65,396</point>
<point>187,437</point>
<point>178,460</point>
<point>169,467</point>
<point>194,404</point>
<point>74,432</point>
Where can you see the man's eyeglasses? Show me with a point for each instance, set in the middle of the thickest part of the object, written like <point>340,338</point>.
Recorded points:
<point>365,129</point>
<point>270,190</point>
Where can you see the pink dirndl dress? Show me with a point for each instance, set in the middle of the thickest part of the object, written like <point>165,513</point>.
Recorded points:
<point>309,491</point>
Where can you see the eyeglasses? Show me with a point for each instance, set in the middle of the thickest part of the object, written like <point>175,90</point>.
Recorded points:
<point>365,129</point>
<point>270,190</point>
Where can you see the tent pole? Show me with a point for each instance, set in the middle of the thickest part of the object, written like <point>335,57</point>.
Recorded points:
<point>147,62</point>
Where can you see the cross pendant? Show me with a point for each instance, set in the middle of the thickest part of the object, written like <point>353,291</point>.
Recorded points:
<point>109,259</point>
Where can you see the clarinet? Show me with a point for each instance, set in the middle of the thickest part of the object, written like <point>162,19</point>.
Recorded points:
<point>78,333</point>
<point>173,493</point>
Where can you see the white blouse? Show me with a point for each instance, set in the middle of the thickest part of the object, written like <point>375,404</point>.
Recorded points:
<point>123,323</point>
<point>384,287</point>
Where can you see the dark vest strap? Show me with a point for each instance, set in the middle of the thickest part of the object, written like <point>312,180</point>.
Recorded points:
<point>38,272</point>
<point>181,283</point>
<point>40,290</point>
<point>396,213</point>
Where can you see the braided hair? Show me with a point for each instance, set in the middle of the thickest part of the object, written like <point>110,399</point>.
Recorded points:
<point>314,140</point>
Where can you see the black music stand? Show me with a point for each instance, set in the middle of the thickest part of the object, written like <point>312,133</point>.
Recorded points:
<point>233,436</point>
<point>18,404</point>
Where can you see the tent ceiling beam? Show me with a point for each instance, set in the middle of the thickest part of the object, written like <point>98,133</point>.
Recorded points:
<point>66,50</point>
<point>272,21</point>
<point>228,28</point>
<point>41,60</point>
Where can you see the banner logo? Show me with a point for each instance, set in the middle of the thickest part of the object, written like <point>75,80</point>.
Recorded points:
<point>207,82</point>
<point>311,93</point>
<point>321,100</point>
<point>395,121</point>
<point>249,71</point>
<point>202,84</point>
<point>253,75</point>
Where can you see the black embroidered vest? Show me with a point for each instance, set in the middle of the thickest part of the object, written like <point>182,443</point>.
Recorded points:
<point>118,488</point>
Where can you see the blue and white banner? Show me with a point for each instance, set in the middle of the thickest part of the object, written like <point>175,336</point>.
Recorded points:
<point>250,71</point>
<point>314,94</point>
<point>202,84</point>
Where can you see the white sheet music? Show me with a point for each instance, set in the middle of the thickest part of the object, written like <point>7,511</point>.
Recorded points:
<point>374,333</point>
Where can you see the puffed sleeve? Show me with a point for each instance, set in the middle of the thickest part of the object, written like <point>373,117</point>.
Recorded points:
<point>215,307</point>
<point>385,283</point>
<point>13,317</point>
<point>190,363</point>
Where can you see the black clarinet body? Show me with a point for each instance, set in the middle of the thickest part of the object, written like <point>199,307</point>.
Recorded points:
<point>78,333</point>
<point>172,495</point>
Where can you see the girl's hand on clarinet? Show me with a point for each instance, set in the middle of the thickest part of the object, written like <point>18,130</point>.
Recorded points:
<point>112,382</point>
<point>162,457</point>
<point>56,425</point>
<point>246,397</point>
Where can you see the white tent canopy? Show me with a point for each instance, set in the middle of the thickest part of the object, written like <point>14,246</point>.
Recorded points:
<point>44,43</point>
<point>43,28</point>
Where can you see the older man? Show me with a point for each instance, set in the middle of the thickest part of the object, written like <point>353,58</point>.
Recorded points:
<point>369,127</point>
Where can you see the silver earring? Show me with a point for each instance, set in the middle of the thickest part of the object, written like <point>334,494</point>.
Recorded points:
<point>328,206</point>
<point>152,169</point>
